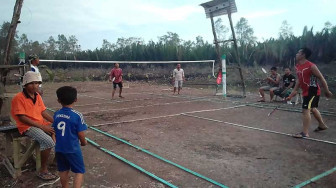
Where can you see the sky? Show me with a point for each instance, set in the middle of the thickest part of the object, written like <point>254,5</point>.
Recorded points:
<point>91,21</point>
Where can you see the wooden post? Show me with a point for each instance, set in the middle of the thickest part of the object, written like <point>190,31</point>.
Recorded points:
<point>237,53</point>
<point>215,39</point>
<point>38,157</point>
<point>12,30</point>
<point>16,156</point>
<point>8,145</point>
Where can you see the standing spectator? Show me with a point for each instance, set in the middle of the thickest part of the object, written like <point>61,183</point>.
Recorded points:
<point>178,78</point>
<point>69,127</point>
<point>116,77</point>
<point>34,62</point>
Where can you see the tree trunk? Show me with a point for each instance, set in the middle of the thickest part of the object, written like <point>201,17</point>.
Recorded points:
<point>12,30</point>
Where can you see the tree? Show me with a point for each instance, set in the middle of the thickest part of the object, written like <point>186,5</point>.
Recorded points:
<point>245,33</point>
<point>51,48</point>
<point>221,29</point>
<point>107,45</point>
<point>24,44</point>
<point>245,39</point>
<point>12,31</point>
<point>327,26</point>
<point>73,44</point>
<point>3,38</point>
<point>170,39</point>
<point>285,30</point>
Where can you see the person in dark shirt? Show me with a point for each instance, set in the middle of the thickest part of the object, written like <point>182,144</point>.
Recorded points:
<point>288,83</point>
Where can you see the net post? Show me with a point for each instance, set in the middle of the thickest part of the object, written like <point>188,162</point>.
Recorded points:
<point>224,74</point>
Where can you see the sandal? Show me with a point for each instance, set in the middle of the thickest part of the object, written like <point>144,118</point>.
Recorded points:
<point>300,135</point>
<point>46,175</point>
<point>318,129</point>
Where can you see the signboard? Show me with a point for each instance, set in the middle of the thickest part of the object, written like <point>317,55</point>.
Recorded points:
<point>22,58</point>
<point>219,7</point>
<point>22,55</point>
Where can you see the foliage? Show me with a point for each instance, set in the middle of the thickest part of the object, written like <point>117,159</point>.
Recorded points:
<point>170,47</point>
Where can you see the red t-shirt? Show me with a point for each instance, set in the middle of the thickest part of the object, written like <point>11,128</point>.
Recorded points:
<point>308,82</point>
<point>117,73</point>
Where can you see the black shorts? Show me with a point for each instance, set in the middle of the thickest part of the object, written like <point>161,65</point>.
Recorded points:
<point>310,102</point>
<point>278,92</point>
<point>119,84</point>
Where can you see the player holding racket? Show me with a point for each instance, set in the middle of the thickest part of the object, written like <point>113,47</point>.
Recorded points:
<point>273,84</point>
<point>116,77</point>
<point>308,73</point>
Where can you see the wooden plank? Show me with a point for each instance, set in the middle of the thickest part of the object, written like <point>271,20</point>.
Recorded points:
<point>38,157</point>
<point>16,156</point>
<point>27,154</point>
<point>9,166</point>
<point>8,147</point>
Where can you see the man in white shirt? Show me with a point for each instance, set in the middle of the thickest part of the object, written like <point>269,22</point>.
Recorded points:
<point>178,78</point>
<point>34,62</point>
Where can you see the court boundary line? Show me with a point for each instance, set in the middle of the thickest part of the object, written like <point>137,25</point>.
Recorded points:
<point>112,102</point>
<point>149,153</point>
<point>259,129</point>
<point>159,157</point>
<point>143,106</point>
<point>314,179</point>
<point>164,116</point>
<point>255,105</point>
<point>96,145</point>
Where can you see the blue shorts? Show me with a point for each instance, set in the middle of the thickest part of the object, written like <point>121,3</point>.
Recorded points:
<point>73,161</point>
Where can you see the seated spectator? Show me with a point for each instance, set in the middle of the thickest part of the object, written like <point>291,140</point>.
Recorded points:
<point>273,84</point>
<point>32,119</point>
<point>288,83</point>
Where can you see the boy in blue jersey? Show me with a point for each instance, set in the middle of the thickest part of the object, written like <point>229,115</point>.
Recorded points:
<point>69,127</point>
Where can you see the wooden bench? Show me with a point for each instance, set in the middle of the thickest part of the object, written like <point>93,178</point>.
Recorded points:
<point>17,151</point>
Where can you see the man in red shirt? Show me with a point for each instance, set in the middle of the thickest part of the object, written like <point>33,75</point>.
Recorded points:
<point>308,73</point>
<point>116,77</point>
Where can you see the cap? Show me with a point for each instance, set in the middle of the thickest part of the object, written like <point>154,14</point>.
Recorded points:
<point>31,76</point>
<point>32,57</point>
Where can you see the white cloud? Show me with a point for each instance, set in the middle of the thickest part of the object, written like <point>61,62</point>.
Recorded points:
<point>108,15</point>
<point>266,13</point>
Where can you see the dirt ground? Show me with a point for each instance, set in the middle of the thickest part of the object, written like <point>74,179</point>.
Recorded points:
<point>217,147</point>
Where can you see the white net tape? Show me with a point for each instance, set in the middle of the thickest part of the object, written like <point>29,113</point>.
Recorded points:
<point>133,62</point>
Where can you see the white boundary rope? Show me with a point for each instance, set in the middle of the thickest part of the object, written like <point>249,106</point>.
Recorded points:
<point>112,101</point>
<point>255,128</point>
<point>141,106</point>
<point>165,116</point>
<point>50,183</point>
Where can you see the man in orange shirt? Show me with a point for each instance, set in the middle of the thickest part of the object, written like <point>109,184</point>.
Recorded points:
<point>32,119</point>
